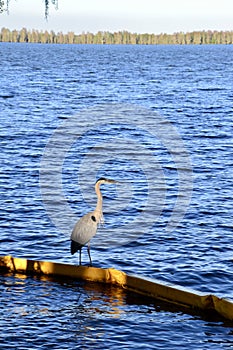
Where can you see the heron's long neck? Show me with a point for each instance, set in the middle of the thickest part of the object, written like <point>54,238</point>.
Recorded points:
<point>98,209</point>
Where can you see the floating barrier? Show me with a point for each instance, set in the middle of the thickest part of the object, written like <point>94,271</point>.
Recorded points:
<point>169,293</point>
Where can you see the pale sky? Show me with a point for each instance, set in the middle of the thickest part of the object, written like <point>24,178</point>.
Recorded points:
<point>151,16</point>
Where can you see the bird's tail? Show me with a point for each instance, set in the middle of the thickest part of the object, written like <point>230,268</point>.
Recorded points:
<point>75,246</point>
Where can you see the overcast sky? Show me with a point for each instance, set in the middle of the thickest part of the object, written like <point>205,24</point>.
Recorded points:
<point>151,16</point>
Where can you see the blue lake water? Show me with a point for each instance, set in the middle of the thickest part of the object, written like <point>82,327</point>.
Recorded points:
<point>159,120</point>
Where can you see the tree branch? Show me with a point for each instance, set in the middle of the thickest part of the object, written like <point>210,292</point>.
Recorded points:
<point>47,3</point>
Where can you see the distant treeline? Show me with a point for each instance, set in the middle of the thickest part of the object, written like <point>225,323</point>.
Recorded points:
<point>121,37</point>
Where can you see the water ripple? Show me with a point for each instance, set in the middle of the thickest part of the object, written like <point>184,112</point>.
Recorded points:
<point>191,87</point>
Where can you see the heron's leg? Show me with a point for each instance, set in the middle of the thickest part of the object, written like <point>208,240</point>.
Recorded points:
<point>80,253</point>
<point>89,253</point>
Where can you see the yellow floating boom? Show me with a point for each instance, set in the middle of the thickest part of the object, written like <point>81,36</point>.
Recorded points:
<point>167,292</point>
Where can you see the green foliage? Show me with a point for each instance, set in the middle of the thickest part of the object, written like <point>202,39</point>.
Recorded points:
<point>1,6</point>
<point>47,3</point>
<point>121,37</point>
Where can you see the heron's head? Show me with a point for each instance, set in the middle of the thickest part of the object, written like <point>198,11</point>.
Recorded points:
<point>103,180</point>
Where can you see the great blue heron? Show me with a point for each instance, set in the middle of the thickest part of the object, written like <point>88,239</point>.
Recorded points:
<point>86,226</point>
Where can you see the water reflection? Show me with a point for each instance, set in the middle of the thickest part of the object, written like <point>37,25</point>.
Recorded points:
<point>74,314</point>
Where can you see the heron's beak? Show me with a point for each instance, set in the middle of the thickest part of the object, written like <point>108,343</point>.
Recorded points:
<point>113,181</point>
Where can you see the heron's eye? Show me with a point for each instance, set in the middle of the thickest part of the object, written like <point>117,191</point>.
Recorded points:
<point>93,218</point>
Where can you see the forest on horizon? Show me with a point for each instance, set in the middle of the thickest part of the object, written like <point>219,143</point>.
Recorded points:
<point>120,37</point>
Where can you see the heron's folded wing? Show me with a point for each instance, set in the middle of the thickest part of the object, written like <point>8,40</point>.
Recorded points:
<point>84,229</point>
